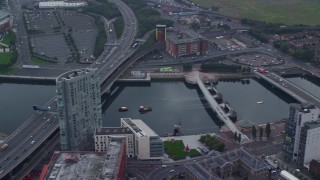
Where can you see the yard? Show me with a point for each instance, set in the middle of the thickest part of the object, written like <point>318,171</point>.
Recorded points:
<point>285,11</point>
<point>176,150</point>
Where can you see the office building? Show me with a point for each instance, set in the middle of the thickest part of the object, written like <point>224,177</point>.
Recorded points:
<point>79,108</point>
<point>147,144</point>
<point>103,136</point>
<point>186,44</point>
<point>69,165</point>
<point>161,32</point>
<point>297,129</point>
<point>239,162</point>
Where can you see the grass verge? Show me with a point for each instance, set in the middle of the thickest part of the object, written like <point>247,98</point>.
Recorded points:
<point>5,58</point>
<point>176,150</point>
<point>40,61</point>
<point>7,71</point>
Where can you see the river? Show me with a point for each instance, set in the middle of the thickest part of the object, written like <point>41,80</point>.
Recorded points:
<point>172,103</point>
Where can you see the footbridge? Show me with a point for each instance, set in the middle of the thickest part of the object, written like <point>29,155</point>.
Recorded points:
<point>288,87</point>
<point>217,109</point>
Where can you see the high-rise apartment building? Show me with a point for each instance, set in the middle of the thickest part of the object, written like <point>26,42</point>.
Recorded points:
<point>297,131</point>
<point>79,107</point>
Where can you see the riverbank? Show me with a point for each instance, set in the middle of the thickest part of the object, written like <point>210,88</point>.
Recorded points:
<point>3,137</point>
<point>204,76</point>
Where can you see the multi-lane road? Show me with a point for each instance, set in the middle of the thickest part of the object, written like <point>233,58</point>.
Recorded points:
<point>41,125</point>
<point>27,138</point>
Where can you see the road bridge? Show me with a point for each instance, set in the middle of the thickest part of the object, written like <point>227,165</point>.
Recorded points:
<point>110,78</point>
<point>217,109</point>
<point>288,87</point>
<point>41,125</point>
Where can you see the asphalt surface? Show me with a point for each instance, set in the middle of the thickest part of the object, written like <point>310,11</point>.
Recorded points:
<point>27,138</point>
<point>40,125</point>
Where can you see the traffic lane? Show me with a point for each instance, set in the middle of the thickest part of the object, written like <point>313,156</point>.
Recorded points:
<point>28,145</point>
<point>164,172</point>
<point>21,138</point>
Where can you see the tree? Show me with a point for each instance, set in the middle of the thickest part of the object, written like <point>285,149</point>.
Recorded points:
<point>187,67</point>
<point>239,138</point>
<point>261,132</point>
<point>268,130</point>
<point>235,136</point>
<point>284,47</point>
<point>254,132</point>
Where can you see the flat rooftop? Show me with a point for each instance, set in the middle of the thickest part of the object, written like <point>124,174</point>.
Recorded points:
<point>112,130</point>
<point>140,127</point>
<point>85,165</point>
<point>185,37</point>
<point>74,73</point>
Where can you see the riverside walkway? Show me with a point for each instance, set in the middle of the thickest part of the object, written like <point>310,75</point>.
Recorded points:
<point>217,109</point>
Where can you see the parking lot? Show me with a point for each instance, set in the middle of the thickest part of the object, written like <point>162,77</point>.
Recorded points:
<point>47,31</point>
<point>257,60</point>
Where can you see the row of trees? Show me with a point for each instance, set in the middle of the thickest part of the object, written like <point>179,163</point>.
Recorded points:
<point>218,67</point>
<point>267,131</point>
<point>147,18</point>
<point>303,53</point>
<point>212,143</point>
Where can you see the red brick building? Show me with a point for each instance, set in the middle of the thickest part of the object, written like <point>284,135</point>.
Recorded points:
<point>314,167</point>
<point>161,32</point>
<point>185,44</point>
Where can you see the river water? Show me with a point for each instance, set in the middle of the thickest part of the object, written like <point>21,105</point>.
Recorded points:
<point>172,103</point>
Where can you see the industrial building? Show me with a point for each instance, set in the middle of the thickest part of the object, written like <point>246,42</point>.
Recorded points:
<point>186,44</point>
<point>239,162</point>
<point>79,108</point>
<point>302,132</point>
<point>111,164</point>
<point>147,144</point>
<point>103,136</point>
<point>60,4</point>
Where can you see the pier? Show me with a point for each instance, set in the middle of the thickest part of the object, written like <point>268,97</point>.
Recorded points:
<point>216,107</point>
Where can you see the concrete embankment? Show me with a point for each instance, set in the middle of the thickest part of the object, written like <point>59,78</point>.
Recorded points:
<point>2,137</point>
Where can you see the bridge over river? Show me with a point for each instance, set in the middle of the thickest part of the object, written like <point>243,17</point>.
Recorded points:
<point>288,87</point>
<point>217,109</point>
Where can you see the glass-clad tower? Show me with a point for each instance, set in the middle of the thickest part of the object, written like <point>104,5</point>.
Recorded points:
<point>79,108</point>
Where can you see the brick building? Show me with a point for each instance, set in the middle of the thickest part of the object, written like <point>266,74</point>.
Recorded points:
<point>185,44</point>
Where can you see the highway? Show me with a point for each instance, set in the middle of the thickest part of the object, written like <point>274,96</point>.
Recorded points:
<point>41,125</point>
<point>291,89</point>
<point>27,138</point>
<point>22,37</point>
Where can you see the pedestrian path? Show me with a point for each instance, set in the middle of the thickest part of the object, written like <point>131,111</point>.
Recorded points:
<point>191,140</point>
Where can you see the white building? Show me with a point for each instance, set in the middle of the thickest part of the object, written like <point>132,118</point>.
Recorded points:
<point>104,135</point>
<point>309,144</point>
<point>60,4</point>
<point>299,116</point>
<point>147,143</point>
<point>79,108</point>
